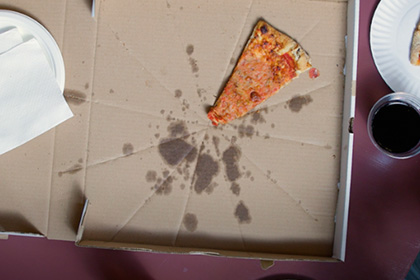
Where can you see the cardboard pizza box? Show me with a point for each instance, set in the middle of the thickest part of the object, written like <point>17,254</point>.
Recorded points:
<point>140,167</point>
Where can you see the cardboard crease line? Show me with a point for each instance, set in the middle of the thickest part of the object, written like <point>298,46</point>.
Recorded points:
<point>47,226</point>
<point>308,31</point>
<point>90,104</point>
<point>141,150</point>
<point>281,189</point>
<point>320,145</point>
<point>112,105</point>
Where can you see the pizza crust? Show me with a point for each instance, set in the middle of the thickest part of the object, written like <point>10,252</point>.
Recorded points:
<point>415,47</point>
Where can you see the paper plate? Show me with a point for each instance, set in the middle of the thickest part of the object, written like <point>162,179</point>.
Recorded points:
<point>29,28</point>
<point>391,33</point>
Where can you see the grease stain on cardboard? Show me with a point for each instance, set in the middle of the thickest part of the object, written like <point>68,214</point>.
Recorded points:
<point>206,169</point>
<point>245,131</point>
<point>257,118</point>
<point>178,93</point>
<point>242,213</point>
<point>151,176</point>
<point>193,62</point>
<point>128,149</point>
<point>230,158</point>
<point>174,151</point>
<point>190,222</point>
<point>235,188</point>
<point>165,187</point>
<point>74,97</point>
<point>216,142</point>
<point>297,102</point>
<point>190,49</point>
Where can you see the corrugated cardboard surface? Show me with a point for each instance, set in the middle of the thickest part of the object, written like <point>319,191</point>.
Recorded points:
<point>140,79</point>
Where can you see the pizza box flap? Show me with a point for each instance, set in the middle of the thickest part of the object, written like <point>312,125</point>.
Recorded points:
<point>140,79</point>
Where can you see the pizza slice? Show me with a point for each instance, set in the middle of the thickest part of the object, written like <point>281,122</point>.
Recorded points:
<point>415,47</point>
<point>269,61</point>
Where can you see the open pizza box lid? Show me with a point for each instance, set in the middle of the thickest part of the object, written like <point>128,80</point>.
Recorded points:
<point>141,167</point>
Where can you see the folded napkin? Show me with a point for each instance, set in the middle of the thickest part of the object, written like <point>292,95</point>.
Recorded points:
<point>9,39</point>
<point>31,101</point>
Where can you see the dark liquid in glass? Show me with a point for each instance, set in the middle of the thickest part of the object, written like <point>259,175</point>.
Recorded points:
<point>396,127</point>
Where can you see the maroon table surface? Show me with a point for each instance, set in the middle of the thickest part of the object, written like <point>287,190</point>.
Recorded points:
<point>383,232</point>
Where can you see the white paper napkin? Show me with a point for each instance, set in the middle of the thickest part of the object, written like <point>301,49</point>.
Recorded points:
<point>9,39</point>
<point>31,102</point>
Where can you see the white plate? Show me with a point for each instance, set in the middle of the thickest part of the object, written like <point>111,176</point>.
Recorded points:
<point>29,28</point>
<point>391,33</point>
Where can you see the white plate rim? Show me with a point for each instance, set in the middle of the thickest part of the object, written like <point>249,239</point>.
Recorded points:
<point>398,73</point>
<point>44,38</point>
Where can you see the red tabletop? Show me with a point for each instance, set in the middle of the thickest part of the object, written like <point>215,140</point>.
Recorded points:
<point>383,233</point>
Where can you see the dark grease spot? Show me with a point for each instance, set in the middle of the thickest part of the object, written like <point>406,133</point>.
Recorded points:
<point>86,85</point>
<point>273,125</point>
<point>257,117</point>
<point>232,61</point>
<point>151,176</point>
<point>194,66</point>
<point>182,186</point>
<point>178,93</point>
<point>242,213</point>
<point>80,160</point>
<point>192,155</point>
<point>190,49</point>
<point>72,170</point>
<point>162,111</point>
<point>230,158</point>
<point>328,147</point>
<point>111,91</point>
<point>211,187</point>
<point>74,97</point>
<point>177,129</point>
<point>245,130</point>
<point>190,222</point>
<point>296,103</point>
<point>235,188</point>
<point>166,187</point>
<point>200,92</point>
<point>205,170</point>
<point>216,142</point>
<point>127,149</point>
<point>157,135</point>
<point>174,151</point>
<point>185,104</point>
